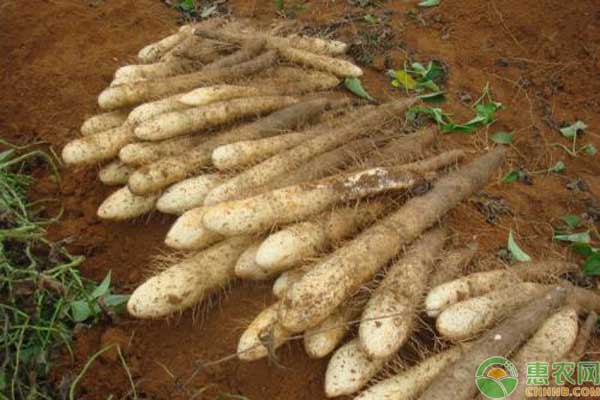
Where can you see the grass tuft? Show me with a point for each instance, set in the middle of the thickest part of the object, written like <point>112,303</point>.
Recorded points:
<point>42,294</point>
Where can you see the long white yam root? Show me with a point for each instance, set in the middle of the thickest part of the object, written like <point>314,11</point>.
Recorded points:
<point>337,277</point>
<point>403,149</point>
<point>142,153</point>
<point>291,246</point>
<point>585,332</point>
<point>264,334</point>
<point>458,383</point>
<point>151,109</point>
<point>280,164</point>
<point>311,44</point>
<point>103,122</point>
<point>195,119</point>
<point>99,146</point>
<point>280,81</point>
<point>115,173</point>
<point>479,283</point>
<point>211,94</point>
<point>550,343</point>
<point>188,282</point>
<point>160,174</point>
<point>188,233</point>
<point>187,194</point>
<point>410,383</point>
<point>261,212</point>
<point>335,66</point>
<point>350,369</point>
<point>249,152</point>
<point>154,51</point>
<point>451,265</point>
<point>195,48</point>
<point>325,337</point>
<point>390,315</point>
<point>123,204</point>
<point>138,92</point>
<point>466,318</point>
<point>142,72</point>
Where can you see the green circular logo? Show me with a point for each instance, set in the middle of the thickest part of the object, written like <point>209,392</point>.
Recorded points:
<point>496,378</point>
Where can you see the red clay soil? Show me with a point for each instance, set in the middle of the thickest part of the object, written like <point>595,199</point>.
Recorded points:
<point>541,58</point>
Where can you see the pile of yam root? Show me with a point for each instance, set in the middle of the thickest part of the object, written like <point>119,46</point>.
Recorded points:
<point>275,175</point>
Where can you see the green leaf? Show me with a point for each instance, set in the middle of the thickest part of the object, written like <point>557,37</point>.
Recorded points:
<point>589,149</point>
<point>515,250</point>
<point>403,78</point>
<point>434,97</point>
<point>115,300</point>
<point>558,168</point>
<point>429,3</point>
<point>279,5</point>
<point>583,249</point>
<point>572,221</point>
<point>208,11</point>
<point>581,237</point>
<point>591,266</point>
<point>187,5</point>
<point>572,130</point>
<point>485,113</point>
<point>80,310</point>
<point>355,86</point>
<point>502,137</point>
<point>458,128</point>
<point>512,176</point>
<point>371,19</point>
<point>102,288</point>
